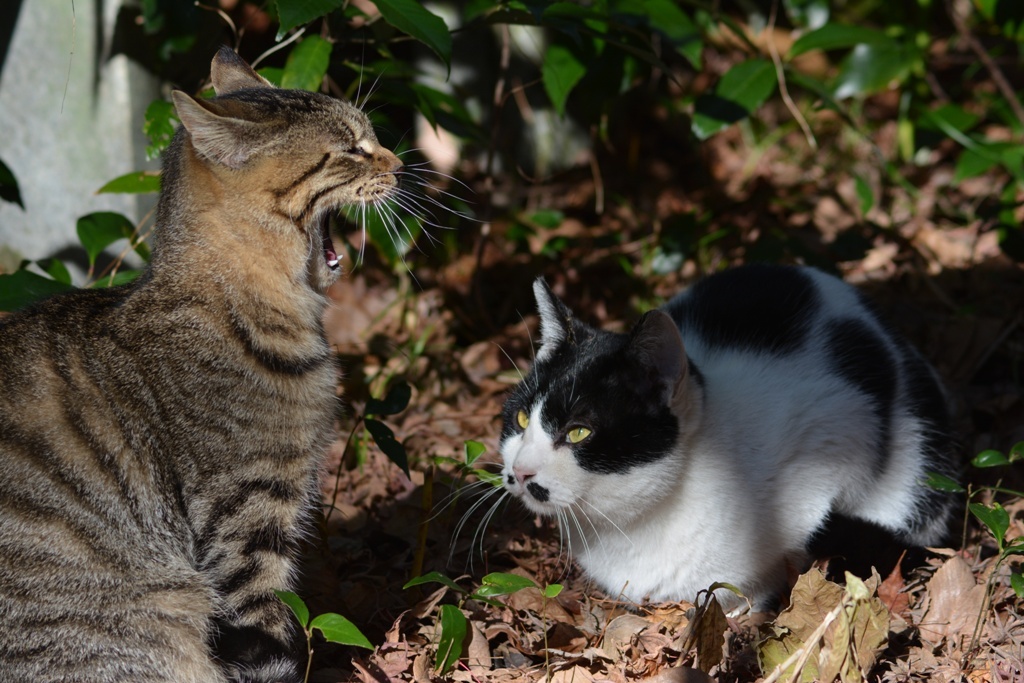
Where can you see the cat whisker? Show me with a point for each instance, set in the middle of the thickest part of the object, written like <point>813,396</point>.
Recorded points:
<point>521,377</point>
<point>478,532</point>
<point>608,519</point>
<point>481,529</point>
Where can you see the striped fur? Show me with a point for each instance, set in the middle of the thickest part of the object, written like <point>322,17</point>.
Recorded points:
<point>160,442</point>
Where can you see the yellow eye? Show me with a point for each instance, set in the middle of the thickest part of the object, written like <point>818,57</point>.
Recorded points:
<point>577,434</point>
<point>523,419</point>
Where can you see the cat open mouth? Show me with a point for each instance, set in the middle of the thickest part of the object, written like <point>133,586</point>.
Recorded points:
<point>330,255</point>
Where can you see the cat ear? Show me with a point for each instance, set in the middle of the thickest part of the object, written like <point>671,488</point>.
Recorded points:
<point>555,319</point>
<point>224,139</point>
<point>229,73</point>
<point>656,343</point>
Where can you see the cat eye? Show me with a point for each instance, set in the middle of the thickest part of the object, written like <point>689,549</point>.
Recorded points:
<point>577,434</point>
<point>523,419</point>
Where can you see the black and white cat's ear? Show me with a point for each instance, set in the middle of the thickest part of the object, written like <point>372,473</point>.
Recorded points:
<point>215,135</point>
<point>555,319</point>
<point>658,347</point>
<point>229,73</point>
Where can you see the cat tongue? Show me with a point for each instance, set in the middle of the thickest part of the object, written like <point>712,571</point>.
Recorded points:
<point>329,254</point>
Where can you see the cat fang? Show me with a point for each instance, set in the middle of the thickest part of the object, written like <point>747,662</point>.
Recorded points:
<point>726,435</point>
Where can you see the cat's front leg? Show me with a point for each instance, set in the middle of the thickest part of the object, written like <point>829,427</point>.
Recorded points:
<point>250,553</point>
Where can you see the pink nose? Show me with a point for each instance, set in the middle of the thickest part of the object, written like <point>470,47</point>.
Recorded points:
<point>523,474</point>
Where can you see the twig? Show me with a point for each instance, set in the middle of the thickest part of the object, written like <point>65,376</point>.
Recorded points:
<point>998,77</point>
<point>780,75</point>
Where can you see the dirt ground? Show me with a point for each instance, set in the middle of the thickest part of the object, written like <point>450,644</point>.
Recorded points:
<point>456,327</point>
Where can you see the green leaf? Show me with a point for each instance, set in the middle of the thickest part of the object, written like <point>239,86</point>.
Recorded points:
<point>136,182</point>
<point>158,125</point>
<point>990,458</point>
<point>742,89</point>
<point>941,482</point>
<point>385,440</point>
<point>972,163</point>
<point>1017,451</point>
<point>56,269</point>
<point>1017,583</point>
<point>838,36</point>
<point>552,590</point>
<point>97,231</point>
<point>307,65</point>
<point>393,403</point>
<point>392,240</point>
<point>292,13</point>
<point>434,577</point>
<point>272,73</point>
<point>297,606</point>
<point>995,518</point>
<point>474,449</point>
<point>561,71</point>
<point>864,194</point>
<point>119,278</point>
<point>666,17</point>
<point>24,287</point>
<point>410,16</point>
<point>872,68</point>
<point>453,636</point>
<point>499,583</point>
<point>492,478</point>
<point>338,629</point>
<point>9,191</point>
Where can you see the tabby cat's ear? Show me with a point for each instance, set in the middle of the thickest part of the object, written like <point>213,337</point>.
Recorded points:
<point>657,345</point>
<point>229,73</point>
<point>555,319</point>
<point>216,136</point>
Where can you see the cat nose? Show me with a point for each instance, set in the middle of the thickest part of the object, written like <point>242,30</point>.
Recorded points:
<point>523,474</point>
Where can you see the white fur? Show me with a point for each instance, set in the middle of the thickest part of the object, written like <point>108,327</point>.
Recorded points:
<point>779,443</point>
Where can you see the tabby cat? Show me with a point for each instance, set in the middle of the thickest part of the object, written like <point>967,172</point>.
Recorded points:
<point>726,434</point>
<point>161,442</point>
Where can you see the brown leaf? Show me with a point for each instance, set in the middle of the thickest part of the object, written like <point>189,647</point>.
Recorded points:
<point>478,652</point>
<point>891,593</point>
<point>954,602</point>
<point>711,629</point>
<point>620,632</point>
<point>813,597</point>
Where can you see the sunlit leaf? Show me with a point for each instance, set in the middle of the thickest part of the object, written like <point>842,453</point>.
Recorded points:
<point>158,125</point>
<point>473,450</point>
<point>499,583</point>
<point>56,269</point>
<point>97,231</point>
<point>873,67</point>
<point>136,182</point>
<point>338,629</point>
<point>410,16</point>
<point>307,64</point>
<point>990,458</point>
<point>454,627</point>
<point>121,277</point>
<point>837,36</point>
<point>552,590</point>
<point>994,517</point>
<point>941,482</point>
<point>560,72</point>
<point>865,195</point>
<point>297,606</point>
<point>1017,583</point>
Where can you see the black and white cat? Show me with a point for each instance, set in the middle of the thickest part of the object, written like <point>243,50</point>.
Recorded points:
<point>716,439</point>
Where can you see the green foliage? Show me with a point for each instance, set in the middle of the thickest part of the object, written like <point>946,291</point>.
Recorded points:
<point>333,627</point>
<point>9,191</point>
<point>307,64</point>
<point>452,623</point>
<point>394,402</point>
